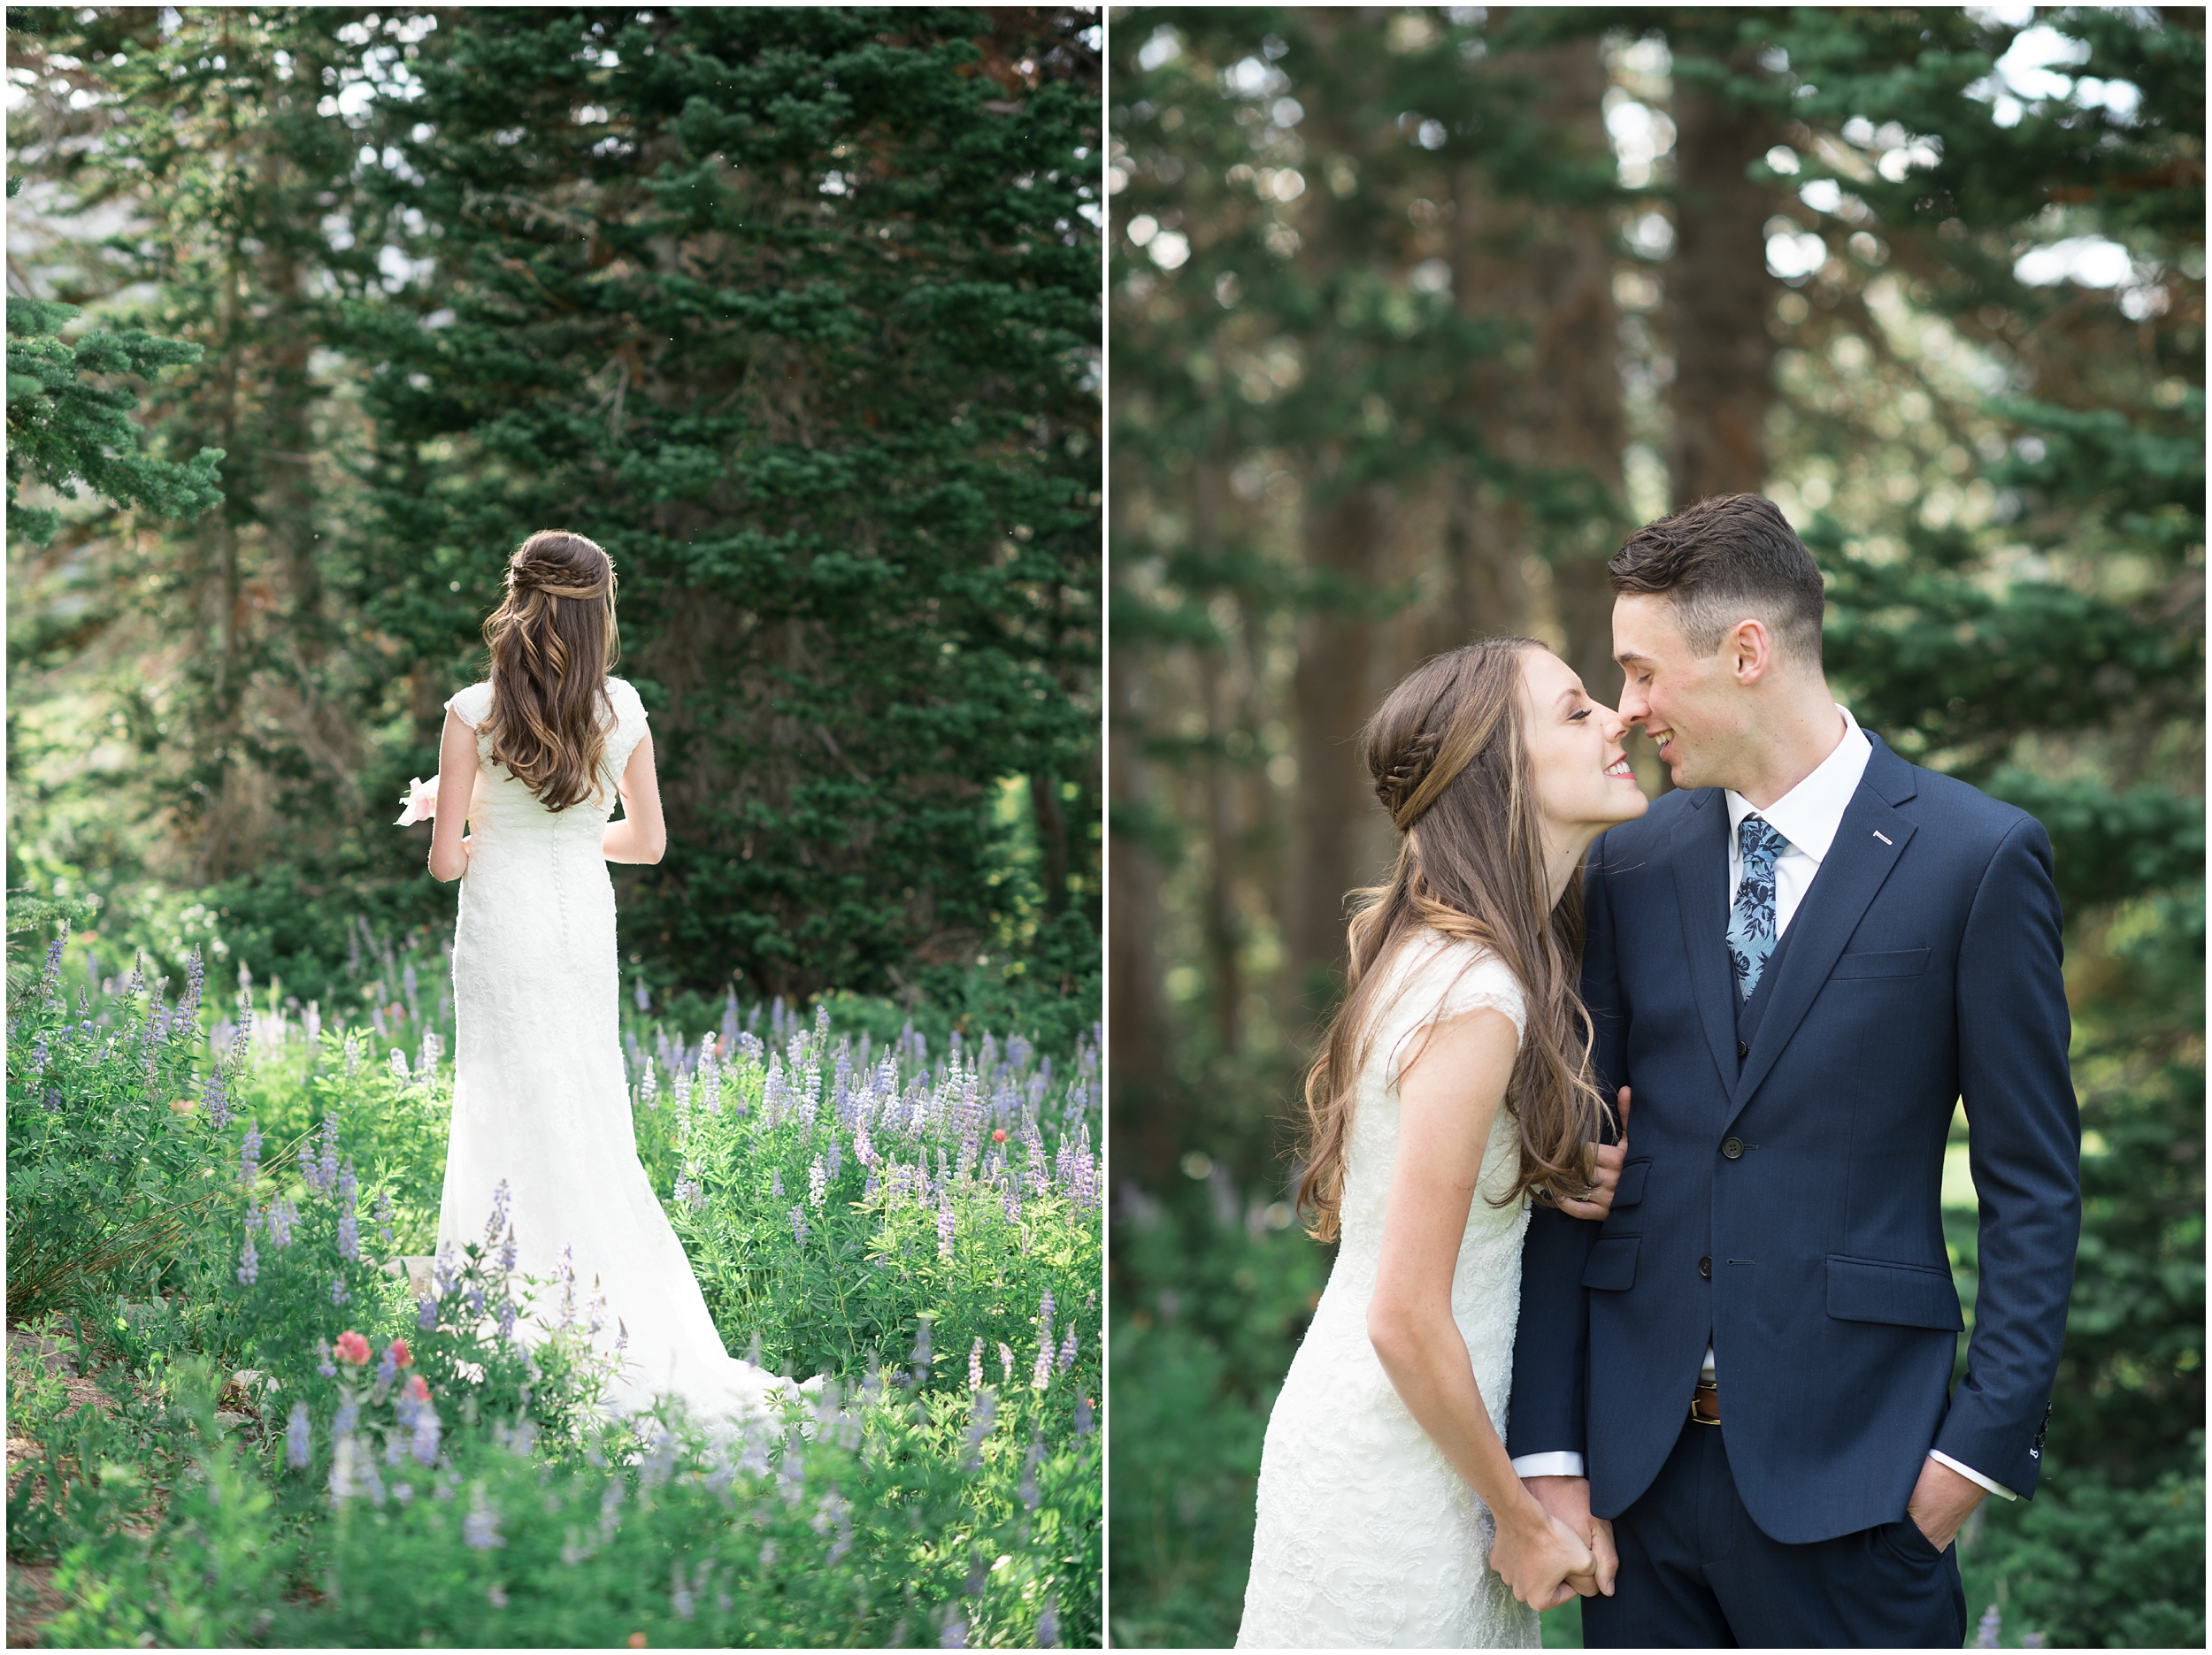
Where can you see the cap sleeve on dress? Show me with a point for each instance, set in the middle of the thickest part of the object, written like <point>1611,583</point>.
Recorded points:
<point>629,725</point>
<point>472,705</point>
<point>1449,979</point>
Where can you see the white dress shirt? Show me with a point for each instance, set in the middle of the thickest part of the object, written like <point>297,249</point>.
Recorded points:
<point>1807,816</point>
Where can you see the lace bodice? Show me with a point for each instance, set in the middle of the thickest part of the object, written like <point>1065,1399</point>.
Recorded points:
<point>502,809</point>
<point>1367,1536</point>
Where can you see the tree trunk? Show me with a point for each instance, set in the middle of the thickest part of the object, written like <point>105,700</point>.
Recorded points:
<point>1329,698</point>
<point>1718,291</point>
<point>1555,402</point>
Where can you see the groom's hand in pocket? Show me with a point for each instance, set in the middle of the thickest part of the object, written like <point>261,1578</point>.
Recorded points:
<point>1568,1499</point>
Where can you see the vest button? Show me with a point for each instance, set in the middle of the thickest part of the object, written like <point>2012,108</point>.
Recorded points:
<point>1705,1269</point>
<point>1732,1147</point>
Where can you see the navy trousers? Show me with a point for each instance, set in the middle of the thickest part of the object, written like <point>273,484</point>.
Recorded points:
<point>1696,1572</point>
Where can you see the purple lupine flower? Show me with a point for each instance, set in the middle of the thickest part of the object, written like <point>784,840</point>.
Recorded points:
<point>282,1216</point>
<point>1045,1309</point>
<point>427,1428</point>
<point>1005,1362</point>
<point>1990,1634</point>
<point>1013,1202</point>
<point>1029,1494</point>
<point>955,1636</point>
<point>53,959</point>
<point>981,1411</point>
<point>816,1181</point>
<point>945,1226</point>
<point>324,1366</point>
<point>649,1089</point>
<point>447,1269</point>
<point>975,1366</point>
<point>298,1446</point>
<point>500,1198</point>
<point>506,1320</point>
<point>1042,1375</point>
<point>864,1146</point>
<point>775,1182</point>
<point>248,1264</point>
<point>326,1164</point>
<point>250,1156</point>
<point>1049,1625</point>
<point>340,1293</point>
<point>212,1102</point>
<point>348,1221</point>
<point>383,1211</point>
<point>52,1100</point>
<point>1082,1416</point>
<point>1067,1351</point>
<point>480,1529</point>
<point>922,1357</point>
<point>427,1315</point>
<point>387,1369</point>
<point>353,1058</point>
<point>401,1072</point>
<point>507,1253</point>
<point>798,1223</point>
<point>836,1158</point>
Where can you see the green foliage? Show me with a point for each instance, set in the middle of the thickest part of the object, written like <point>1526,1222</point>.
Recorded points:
<point>1210,1303</point>
<point>452,1476</point>
<point>68,425</point>
<point>795,310</point>
<point>2088,1566</point>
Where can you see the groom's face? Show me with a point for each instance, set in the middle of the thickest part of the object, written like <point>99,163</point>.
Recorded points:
<point>1689,704</point>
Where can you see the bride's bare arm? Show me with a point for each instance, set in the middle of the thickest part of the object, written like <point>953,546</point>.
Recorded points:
<point>642,835</point>
<point>456,785</point>
<point>1449,1094</point>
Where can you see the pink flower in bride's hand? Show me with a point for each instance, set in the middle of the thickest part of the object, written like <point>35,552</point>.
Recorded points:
<point>353,1348</point>
<point>421,801</point>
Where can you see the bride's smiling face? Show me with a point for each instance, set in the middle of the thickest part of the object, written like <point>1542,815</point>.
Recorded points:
<point>1576,761</point>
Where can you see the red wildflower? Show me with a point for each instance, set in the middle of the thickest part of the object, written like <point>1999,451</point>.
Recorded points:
<point>353,1348</point>
<point>402,1357</point>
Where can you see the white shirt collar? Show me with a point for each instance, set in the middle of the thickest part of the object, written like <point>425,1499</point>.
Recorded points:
<point>1809,815</point>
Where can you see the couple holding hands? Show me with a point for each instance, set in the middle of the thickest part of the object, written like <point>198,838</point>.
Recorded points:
<point>1700,1372</point>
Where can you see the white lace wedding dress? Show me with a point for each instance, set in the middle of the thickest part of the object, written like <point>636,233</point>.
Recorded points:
<point>1367,1536</point>
<point>539,1096</point>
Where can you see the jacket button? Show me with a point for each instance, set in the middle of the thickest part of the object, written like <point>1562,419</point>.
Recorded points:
<point>1732,1147</point>
<point>1705,1269</point>
<point>1743,1050</point>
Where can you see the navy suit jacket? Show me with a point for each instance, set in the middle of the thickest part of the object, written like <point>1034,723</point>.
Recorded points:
<point>1786,1204</point>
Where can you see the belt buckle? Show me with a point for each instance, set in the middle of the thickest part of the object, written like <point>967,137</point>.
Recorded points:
<point>1706,1391</point>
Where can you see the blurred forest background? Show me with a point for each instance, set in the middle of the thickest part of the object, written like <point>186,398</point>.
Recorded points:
<point>795,311</point>
<point>1414,313</point>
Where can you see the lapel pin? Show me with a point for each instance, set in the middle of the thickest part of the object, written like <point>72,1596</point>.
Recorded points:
<point>1881,836</point>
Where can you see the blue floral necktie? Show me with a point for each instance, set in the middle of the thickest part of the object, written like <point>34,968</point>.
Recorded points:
<point>1751,927</point>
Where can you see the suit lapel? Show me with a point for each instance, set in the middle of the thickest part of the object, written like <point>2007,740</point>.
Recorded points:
<point>1700,856</point>
<point>1869,841</point>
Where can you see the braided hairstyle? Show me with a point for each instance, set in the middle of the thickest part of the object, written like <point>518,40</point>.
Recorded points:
<point>1450,766</point>
<point>553,641</point>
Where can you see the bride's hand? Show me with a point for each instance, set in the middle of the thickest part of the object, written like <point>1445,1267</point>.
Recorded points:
<point>1537,1560</point>
<point>1606,1174</point>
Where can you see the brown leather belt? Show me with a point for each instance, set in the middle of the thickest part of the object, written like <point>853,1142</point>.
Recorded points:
<point>1705,1403</point>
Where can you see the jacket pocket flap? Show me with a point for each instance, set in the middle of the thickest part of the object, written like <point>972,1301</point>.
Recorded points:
<point>1631,1189</point>
<point>1612,1266</point>
<point>1902,1295</point>
<point>1900,962</point>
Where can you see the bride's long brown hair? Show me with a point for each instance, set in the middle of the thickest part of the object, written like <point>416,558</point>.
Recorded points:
<point>553,642</point>
<point>1449,763</point>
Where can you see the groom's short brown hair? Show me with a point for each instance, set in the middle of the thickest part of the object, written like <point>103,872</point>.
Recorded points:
<point>1731,558</point>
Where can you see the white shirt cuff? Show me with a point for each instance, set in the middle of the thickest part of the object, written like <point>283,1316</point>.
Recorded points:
<point>1559,1463</point>
<point>1968,1472</point>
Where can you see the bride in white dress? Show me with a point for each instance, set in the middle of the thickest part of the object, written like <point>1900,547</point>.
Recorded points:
<point>1454,1084</point>
<point>533,760</point>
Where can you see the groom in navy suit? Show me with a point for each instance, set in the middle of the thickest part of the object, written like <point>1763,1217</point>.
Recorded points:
<point>1738,1384</point>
